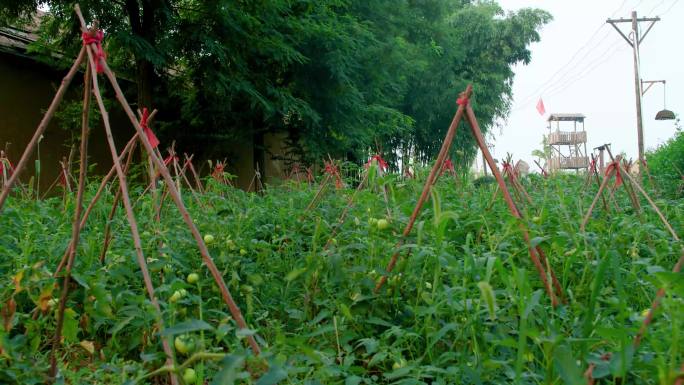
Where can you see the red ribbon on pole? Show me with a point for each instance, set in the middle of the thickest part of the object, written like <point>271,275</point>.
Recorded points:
<point>508,169</point>
<point>10,168</point>
<point>170,159</point>
<point>448,166</point>
<point>96,37</point>
<point>154,141</point>
<point>381,162</point>
<point>592,166</point>
<point>618,177</point>
<point>331,169</point>
<point>462,101</point>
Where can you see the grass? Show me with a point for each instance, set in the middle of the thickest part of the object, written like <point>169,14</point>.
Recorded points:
<point>464,305</point>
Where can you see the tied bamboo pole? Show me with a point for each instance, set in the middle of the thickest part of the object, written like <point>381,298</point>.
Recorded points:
<point>123,186</point>
<point>604,183</point>
<point>130,146</point>
<point>112,212</point>
<point>204,252</point>
<point>434,173</point>
<point>76,228</point>
<point>41,127</point>
<point>537,257</point>
<point>343,215</point>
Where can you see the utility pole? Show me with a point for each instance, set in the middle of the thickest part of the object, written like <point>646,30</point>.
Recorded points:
<point>634,40</point>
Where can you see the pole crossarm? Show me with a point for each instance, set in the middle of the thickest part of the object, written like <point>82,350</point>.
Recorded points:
<point>627,39</point>
<point>650,84</point>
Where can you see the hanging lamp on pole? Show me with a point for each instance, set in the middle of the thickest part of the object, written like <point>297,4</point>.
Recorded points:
<point>663,114</point>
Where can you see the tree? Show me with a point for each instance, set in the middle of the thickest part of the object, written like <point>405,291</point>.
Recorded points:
<point>341,77</point>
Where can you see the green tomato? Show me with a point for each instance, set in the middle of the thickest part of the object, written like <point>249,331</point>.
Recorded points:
<point>184,344</point>
<point>399,364</point>
<point>192,278</point>
<point>175,296</point>
<point>189,376</point>
<point>383,224</point>
<point>373,221</point>
<point>208,239</point>
<point>183,292</point>
<point>243,252</point>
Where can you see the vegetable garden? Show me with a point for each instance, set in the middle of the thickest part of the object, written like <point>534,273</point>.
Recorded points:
<point>466,305</point>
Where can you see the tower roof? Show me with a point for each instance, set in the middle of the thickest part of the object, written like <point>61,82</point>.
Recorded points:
<point>558,117</point>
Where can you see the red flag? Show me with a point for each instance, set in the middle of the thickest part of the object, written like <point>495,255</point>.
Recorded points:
<point>540,107</point>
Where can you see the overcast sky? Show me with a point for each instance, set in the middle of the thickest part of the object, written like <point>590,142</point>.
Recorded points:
<point>583,65</point>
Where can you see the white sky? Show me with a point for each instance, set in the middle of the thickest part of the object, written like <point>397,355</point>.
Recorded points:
<point>599,81</point>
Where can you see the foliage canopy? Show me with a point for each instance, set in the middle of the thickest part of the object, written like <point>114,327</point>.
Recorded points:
<point>342,77</point>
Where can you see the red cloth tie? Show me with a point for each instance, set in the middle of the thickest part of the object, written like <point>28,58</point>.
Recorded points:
<point>381,162</point>
<point>96,38</point>
<point>618,177</point>
<point>170,159</point>
<point>151,137</point>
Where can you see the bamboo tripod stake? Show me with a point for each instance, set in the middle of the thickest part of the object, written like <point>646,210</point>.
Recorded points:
<point>204,252</point>
<point>123,188</point>
<point>538,258</point>
<point>451,132</point>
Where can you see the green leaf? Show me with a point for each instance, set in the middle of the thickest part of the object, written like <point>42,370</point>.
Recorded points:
<point>274,375</point>
<point>567,368</point>
<point>230,370</point>
<point>70,328</point>
<point>291,276</point>
<point>243,333</point>
<point>536,241</point>
<point>488,295</point>
<point>190,326</point>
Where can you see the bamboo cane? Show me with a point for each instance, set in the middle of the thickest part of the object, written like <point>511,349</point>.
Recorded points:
<point>604,183</point>
<point>444,150</point>
<point>204,252</point>
<point>538,259</point>
<point>123,185</point>
<point>76,228</point>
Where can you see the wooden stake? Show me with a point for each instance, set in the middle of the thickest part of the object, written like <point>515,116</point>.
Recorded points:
<point>123,185</point>
<point>606,179</point>
<point>76,228</point>
<point>434,173</point>
<point>204,252</point>
<point>344,213</point>
<point>129,148</point>
<point>538,259</point>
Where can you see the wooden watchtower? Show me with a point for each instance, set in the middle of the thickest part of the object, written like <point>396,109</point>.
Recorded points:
<point>568,146</point>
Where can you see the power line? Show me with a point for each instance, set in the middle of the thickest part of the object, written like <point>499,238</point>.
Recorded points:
<point>656,6</point>
<point>670,8</point>
<point>587,70</point>
<point>549,83</point>
<point>578,68</point>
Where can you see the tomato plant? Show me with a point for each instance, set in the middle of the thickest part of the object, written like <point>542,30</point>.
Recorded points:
<point>463,305</point>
